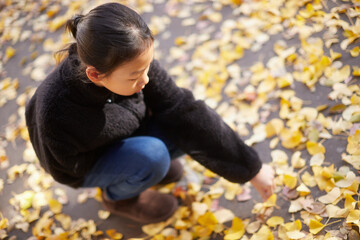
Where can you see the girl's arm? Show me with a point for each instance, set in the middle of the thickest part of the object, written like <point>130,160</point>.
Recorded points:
<point>197,129</point>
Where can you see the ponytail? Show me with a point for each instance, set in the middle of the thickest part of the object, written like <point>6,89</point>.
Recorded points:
<point>72,24</point>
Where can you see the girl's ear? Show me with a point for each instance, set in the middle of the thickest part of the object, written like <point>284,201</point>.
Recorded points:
<point>94,75</point>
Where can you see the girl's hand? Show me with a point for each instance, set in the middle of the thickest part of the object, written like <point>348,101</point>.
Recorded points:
<point>263,182</point>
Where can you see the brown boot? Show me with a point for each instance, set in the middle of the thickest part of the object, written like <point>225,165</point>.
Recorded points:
<point>149,207</point>
<point>174,174</point>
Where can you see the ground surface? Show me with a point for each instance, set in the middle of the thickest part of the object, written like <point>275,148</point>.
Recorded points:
<point>262,57</point>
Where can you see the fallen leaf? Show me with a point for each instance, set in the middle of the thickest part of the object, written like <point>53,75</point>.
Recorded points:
<point>236,231</point>
<point>353,146</point>
<point>315,148</point>
<point>113,234</point>
<point>103,214</point>
<point>355,51</point>
<point>315,226</point>
<point>275,221</point>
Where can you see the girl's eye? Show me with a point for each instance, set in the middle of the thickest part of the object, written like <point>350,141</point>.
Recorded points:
<point>132,80</point>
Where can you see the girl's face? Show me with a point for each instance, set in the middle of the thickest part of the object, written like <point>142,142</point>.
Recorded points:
<point>128,78</point>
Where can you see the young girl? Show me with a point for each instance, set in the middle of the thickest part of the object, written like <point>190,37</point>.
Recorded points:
<point>110,116</point>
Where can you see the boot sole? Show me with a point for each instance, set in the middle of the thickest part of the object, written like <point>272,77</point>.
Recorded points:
<point>142,221</point>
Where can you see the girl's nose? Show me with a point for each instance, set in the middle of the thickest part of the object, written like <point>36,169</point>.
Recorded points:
<point>144,79</point>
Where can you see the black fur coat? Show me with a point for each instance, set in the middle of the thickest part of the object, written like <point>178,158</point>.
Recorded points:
<point>71,122</point>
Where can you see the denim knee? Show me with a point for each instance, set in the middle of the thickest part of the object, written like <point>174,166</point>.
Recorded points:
<point>154,158</point>
<point>130,166</point>
<point>150,161</point>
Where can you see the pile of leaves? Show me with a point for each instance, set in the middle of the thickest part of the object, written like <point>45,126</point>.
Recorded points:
<point>313,44</point>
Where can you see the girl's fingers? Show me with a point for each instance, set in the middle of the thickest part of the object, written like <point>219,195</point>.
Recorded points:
<point>266,194</point>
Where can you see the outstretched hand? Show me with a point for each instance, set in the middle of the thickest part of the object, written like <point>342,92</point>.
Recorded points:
<point>263,182</point>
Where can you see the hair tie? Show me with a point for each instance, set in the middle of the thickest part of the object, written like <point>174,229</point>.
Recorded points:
<point>77,19</point>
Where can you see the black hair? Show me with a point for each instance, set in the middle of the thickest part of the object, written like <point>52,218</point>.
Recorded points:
<point>109,35</point>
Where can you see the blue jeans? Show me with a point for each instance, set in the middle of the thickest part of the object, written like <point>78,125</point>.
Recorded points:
<point>132,165</point>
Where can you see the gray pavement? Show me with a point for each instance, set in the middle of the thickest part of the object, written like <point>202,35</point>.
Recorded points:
<point>89,210</point>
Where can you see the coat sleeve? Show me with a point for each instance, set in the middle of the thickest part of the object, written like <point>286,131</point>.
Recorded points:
<point>197,129</point>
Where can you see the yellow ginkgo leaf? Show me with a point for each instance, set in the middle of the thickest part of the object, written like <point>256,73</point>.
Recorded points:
<point>297,161</point>
<point>290,181</point>
<point>349,179</point>
<point>334,211</point>
<point>285,81</point>
<point>55,206</point>
<point>201,231</point>
<point>293,226</point>
<point>215,17</point>
<point>315,226</point>
<point>253,227</point>
<point>295,234</point>
<point>9,52</point>
<point>290,139</point>
<point>340,75</point>
<point>208,219</point>
<point>354,160</point>
<point>113,234</point>
<point>308,179</point>
<point>296,103</point>
<point>274,221</point>
<point>3,222</point>
<point>295,205</point>
<point>331,197</point>
<point>273,127</point>
<point>57,23</point>
<point>103,214</point>
<point>356,71</point>
<point>353,217</point>
<point>324,184</point>
<point>209,174</point>
<point>237,2</point>
<point>184,234</point>
<point>303,190</point>
<point>327,172</point>
<point>181,224</point>
<point>236,231</point>
<point>309,113</point>
<point>279,157</point>
<point>224,215</point>
<point>284,109</point>
<point>355,99</point>
<point>315,148</point>
<point>154,228</point>
<point>263,234</point>
<point>64,220</point>
<point>25,199</point>
<point>334,55</point>
<point>271,201</point>
<point>267,85</point>
<point>355,51</point>
<point>274,142</point>
<point>349,202</point>
<point>180,41</point>
<point>199,208</point>
<point>53,10</point>
<point>353,146</point>
<point>317,159</point>
<point>353,188</point>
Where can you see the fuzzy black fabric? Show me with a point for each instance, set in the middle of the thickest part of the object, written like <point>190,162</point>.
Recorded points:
<point>71,122</point>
